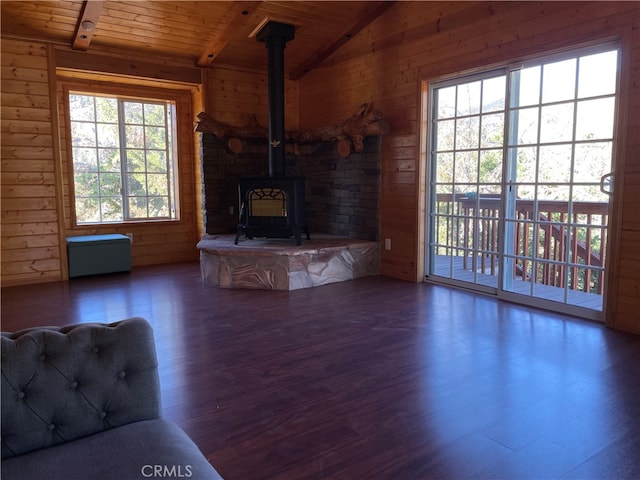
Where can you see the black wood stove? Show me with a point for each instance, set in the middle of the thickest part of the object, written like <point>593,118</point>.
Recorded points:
<point>273,206</point>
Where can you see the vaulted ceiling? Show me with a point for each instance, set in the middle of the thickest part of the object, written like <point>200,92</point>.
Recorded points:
<point>204,33</point>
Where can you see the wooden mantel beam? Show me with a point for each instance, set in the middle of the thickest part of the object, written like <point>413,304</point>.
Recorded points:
<point>87,23</point>
<point>239,13</point>
<point>320,56</point>
<point>349,134</point>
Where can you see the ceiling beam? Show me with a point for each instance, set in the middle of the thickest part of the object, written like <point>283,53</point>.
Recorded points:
<point>86,24</point>
<point>320,56</point>
<point>78,62</point>
<point>239,14</point>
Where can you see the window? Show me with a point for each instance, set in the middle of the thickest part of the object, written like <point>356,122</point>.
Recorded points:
<point>521,161</point>
<point>123,153</point>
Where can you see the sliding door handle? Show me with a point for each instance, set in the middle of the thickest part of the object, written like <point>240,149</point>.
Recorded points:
<point>606,183</point>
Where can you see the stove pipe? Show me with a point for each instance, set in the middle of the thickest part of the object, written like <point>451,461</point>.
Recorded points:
<point>275,35</point>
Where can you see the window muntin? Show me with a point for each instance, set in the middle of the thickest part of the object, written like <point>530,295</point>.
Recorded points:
<point>123,153</point>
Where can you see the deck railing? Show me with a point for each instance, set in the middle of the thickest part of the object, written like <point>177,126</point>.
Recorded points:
<point>552,245</point>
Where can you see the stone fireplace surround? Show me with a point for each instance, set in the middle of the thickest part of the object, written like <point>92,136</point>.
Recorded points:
<point>342,212</point>
<point>278,264</point>
<point>342,194</point>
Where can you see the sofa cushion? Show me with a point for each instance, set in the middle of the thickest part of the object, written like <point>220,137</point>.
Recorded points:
<point>60,384</point>
<point>147,449</point>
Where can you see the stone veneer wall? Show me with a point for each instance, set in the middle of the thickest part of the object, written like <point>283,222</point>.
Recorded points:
<point>220,172</point>
<point>342,194</point>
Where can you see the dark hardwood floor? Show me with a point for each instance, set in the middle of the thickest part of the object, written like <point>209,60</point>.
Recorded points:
<point>370,379</point>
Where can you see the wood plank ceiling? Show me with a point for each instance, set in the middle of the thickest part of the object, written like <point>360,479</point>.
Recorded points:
<point>204,33</point>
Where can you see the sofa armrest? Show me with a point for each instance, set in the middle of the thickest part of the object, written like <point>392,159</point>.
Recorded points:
<point>138,451</point>
<point>60,384</point>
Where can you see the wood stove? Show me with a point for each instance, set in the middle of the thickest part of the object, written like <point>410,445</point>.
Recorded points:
<point>273,206</point>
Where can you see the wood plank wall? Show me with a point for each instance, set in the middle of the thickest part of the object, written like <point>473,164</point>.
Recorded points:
<point>240,98</point>
<point>36,205</point>
<point>416,41</point>
<point>30,229</point>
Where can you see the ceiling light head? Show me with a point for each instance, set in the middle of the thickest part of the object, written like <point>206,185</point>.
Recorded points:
<point>88,25</point>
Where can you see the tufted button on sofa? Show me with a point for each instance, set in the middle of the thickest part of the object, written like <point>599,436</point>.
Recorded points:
<point>83,402</point>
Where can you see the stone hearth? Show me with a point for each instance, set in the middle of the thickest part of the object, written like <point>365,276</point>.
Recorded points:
<point>278,264</point>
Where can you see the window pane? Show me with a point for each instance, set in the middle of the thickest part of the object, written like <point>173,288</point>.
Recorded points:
<point>446,134</point>
<point>110,184</point>
<point>445,168</point>
<point>446,98</point>
<point>157,184</point>
<point>84,160</point>
<point>107,110</point>
<point>138,207</point>
<point>154,114</point>
<point>133,113</point>
<point>491,166</point>
<point>526,86</point>
<point>554,163</point>
<point>159,207</point>
<point>526,191</point>
<point>108,135</point>
<point>155,137</point>
<point>556,123</point>
<point>81,107</point>
<point>467,133</point>
<point>466,167</point>
<point>492,130</point>
<point>593,160</point>
<point>83,134</point>
<point>109,159</point>
<point>559,81</point>
<point>598,74</point>
<point>86,184</point>
<point>595,119</point>
<point>137,185</point>
<point>468,99</point>
<point>553,192</point>
<point>591,193</point>
<point>111,209</point>
<point>526,123</point>
<point>156,161</point>
<point>135,161</point>
<point>87,210</point>
<point>134,136</point>
<point>526,164</point>
<point>493,91</point>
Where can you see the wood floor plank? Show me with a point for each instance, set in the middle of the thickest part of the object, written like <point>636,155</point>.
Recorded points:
<point>371,378</point>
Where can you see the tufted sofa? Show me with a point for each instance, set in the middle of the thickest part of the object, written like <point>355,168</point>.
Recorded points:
<point>83,402</point>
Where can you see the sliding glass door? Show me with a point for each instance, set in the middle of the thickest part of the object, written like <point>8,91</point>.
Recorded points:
<point>519,180</point>
<point>467,164</point>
